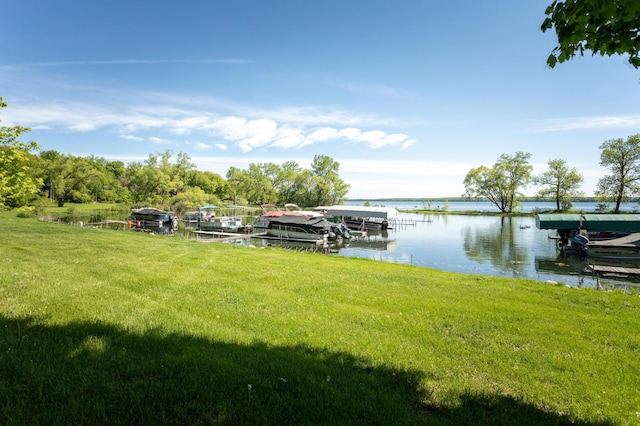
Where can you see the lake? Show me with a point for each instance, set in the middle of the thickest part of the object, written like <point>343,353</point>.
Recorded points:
<point>472,244</point>
<point>489,245</point>
<point>485,206</point>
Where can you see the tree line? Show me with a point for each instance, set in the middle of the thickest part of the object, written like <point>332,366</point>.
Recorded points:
<point>29,175</point>
<point>501,184</point>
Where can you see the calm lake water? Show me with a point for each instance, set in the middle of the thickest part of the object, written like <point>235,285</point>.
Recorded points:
<point>471,244</point>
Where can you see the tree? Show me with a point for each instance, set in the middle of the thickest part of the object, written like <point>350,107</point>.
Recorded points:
<point>622,158</point>
<point>501,183</point>
<point>19,183</point>
<point>236,182</point>
<point>69,178</point>
<point>606,27</point>
<point>328,187</point>
<point>559,183</point>
<point>157,179</point>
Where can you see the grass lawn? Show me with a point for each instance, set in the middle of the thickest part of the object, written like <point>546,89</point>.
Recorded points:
<point>117,327</point>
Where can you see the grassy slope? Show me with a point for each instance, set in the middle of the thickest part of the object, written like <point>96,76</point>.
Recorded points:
<point>104,326</point>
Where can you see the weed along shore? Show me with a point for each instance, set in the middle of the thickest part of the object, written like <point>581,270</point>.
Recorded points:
<point>103,327</point>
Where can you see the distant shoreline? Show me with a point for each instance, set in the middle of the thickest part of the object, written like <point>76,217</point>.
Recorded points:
<point>522,199</point>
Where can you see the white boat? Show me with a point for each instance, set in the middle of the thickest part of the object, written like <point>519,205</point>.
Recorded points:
<point>212,218</point>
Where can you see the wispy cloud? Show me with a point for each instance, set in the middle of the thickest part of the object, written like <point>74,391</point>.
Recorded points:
<point>159,141</point>
<point>202,145</point>
<point>45,64</point>
<point>131,138</point>
<point>285,128</point>
<point>585,123</point>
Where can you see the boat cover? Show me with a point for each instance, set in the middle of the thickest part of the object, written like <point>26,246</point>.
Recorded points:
<point>591,222</point>
<point>359,211</point>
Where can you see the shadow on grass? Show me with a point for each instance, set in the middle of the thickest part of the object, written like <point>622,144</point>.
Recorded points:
<point>95,373</point>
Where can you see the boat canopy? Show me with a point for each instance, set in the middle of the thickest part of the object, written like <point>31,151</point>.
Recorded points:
<point>591,222</point>
<point>359,211</point>
<point>208,207</point>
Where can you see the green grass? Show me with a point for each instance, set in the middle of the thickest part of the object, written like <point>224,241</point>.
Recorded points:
<point>115,327</point>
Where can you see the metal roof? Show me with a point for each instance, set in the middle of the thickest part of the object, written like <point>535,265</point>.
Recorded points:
<point>591,222</point>
<point>359,211</point>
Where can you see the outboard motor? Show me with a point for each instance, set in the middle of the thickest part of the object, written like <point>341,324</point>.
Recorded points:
<point>341,230</point>
<point>579,243</point>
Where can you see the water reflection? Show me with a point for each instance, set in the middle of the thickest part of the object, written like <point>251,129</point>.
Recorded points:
<point>469,244</point>
<point>497,244</point>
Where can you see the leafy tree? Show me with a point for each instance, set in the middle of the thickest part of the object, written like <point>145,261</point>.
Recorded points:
<point>70,178</point>
<point>559,183</point>
<point>260,186</point>
<point>192,198</point>
<point>236,183</point>
<point>156,180</point>
<point>19,183</point>
<point>607,27</point>
<point>48,169</point>
<point>289,188</point>
<point>501,183</point>
<point>209,182</point>
<point>328,188</point>
<point>622,158</point>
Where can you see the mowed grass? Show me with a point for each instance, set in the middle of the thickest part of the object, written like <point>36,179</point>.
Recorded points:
<point>118,327</point>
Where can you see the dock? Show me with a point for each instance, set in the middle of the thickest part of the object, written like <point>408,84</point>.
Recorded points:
<point>266,236</point>
<point>619,270</point>
<point>220,237</point>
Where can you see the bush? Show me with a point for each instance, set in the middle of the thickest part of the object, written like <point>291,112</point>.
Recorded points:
<point>26,215</point>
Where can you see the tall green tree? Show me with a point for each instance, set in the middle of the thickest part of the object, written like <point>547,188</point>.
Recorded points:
<point>19,182</point>
<point>157,179</point>
<point>501,183</point>
<point>622,159</point>
<point>328,187</point>
<point>236,183</point>
<point>288,185</point>
<point>560,183</point>
<point>71,179</point>
<point>605,27</point>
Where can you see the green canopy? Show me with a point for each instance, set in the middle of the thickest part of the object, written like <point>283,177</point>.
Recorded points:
<point>590,222</point>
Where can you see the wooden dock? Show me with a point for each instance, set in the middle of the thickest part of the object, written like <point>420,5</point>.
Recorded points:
<point>220,237</point>
<point>619,270</point>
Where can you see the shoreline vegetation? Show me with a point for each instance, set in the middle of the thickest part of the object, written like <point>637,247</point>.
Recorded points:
<point>106,327</point>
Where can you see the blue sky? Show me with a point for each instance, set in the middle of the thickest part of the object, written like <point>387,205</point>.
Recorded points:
<point>407,96</point>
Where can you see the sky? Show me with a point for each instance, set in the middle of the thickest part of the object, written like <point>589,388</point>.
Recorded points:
<point>407,96</point>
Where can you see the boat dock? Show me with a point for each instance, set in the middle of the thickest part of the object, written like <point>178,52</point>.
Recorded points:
<point>220,237</point>
<point>266,236</point>
<point>619,270</point>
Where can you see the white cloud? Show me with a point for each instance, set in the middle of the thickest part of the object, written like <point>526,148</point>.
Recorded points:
<point>221,146</point>
<point>286,128</point>
<point>159,141</point>
<point>47,64</point>
<point>202,145</point>
<point>582,123</point>
<point>131,138</point>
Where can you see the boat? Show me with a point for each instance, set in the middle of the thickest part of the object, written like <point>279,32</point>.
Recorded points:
<point>601,227</point>
<point>291,207</point>
<point>295,227</point>
<point>361,218</point>
<point>339,228</point>
<point>622,248</point>
<point>153,220</point>
<point>212,218</point>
